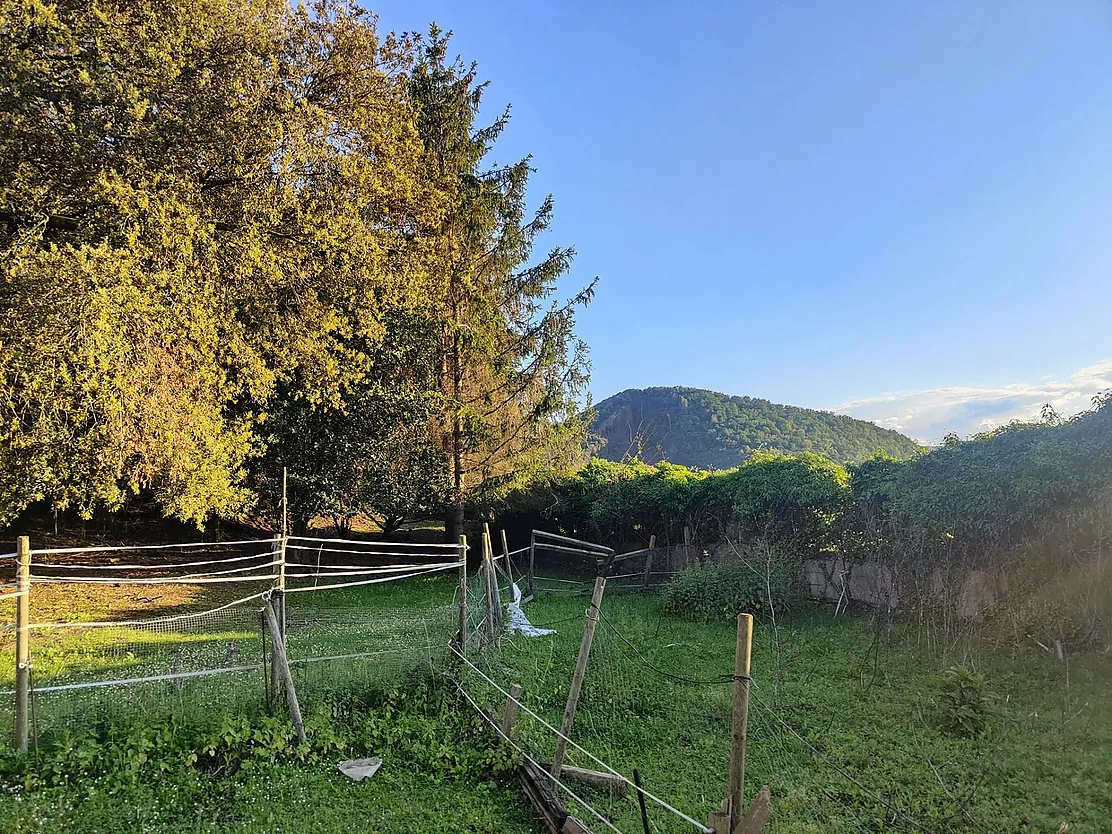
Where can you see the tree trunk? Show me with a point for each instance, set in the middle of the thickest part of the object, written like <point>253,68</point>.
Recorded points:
<point>453,521</point>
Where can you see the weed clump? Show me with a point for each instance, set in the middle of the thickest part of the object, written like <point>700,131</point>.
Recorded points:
<point>964,702</point>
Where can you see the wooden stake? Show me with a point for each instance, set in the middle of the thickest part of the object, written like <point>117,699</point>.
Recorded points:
<point>463,595</point>
<point>742,660</point>
<point>506,569</point>
<point>22,635</point>
<point>648,563</point>
<point>529,592</point>
<point>577,678</point>
<point>509,715</point>
<point>281,661</point>
<point>488,589</point>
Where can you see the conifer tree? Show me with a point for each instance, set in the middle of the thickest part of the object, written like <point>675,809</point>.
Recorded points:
<point>511,370</point>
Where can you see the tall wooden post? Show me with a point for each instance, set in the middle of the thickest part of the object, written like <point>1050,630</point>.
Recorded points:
<point>488,587</point>
<point>742,662</point>
<point>577,677</point>
<point>22,644</point>
<point>463,595</point>
<point>529,590</point>
<point>648,563</point>
<point>495,588</point>
<point>278,598</point>
<point>506,569</point>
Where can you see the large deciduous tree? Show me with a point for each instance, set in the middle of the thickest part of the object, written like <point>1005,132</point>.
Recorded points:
<point>199,201</point>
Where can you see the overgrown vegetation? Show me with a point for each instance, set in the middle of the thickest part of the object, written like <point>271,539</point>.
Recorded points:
<point>1027,505</point>
<point>248,773</point>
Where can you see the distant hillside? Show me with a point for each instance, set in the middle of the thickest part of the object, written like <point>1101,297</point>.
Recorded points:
<point>709,430</point>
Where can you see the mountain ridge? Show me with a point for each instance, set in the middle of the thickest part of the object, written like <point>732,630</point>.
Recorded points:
<point>707,429</point>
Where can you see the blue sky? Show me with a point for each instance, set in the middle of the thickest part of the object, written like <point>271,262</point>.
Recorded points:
<point>901,211</point>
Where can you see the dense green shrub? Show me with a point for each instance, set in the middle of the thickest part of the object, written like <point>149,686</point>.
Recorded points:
<point>710,592</point>
<point>963,699</point>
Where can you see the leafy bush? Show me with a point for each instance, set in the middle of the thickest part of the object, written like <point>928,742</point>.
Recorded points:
<point>712,592</point>
<point>423,729</point>
<point>963,697</point>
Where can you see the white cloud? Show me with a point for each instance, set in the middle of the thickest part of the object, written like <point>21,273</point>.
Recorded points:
<point>928,415</point>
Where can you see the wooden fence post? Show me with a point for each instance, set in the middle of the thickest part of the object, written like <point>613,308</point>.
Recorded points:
<point>506,569</point>
<point>281,662</point>
<point>529,590</point>
<point>509,715</point>
<point>463,595</point>
<point>742,664</point>
<point>577,678</point>
<point>648,563</point>
<point>22,644</point>
<point>488,587</point>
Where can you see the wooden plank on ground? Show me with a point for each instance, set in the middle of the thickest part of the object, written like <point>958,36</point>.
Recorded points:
<point>574,826</point>
<point>538,787</point>
<point>595,778</point>
<point>756,817</point>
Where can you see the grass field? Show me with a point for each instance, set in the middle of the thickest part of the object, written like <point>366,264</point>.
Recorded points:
<point>846,727</point>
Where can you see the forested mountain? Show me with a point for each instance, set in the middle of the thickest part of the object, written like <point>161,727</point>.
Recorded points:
<point>709,430</point>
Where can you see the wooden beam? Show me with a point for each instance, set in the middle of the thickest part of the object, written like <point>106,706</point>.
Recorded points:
<point>281,661</point>
<point>597,555</point>
<point>756,817</point>
<point>538,788</point>
<point>22,637</point>
<point>577,677</point>
<point>648,563</point>
<point>594,778</point>
<point>720,820</point>
<point>530,591</point>
<point>509,715</point>
<point>583,545</point>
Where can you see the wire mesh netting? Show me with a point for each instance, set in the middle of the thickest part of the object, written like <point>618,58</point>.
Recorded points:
<point>174,629</point>
<point>627,717</point>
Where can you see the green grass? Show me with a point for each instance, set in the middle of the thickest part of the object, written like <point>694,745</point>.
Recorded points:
<point>867,699</point>
<point>275,798</point>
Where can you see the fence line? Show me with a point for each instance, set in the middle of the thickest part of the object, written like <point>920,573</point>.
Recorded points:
<point>203,580</point>
<point>434,569</point>
<point>170,618</point>
<point>124,547</point>
<point>157,580</point>
<point>698,825</point>
<point>170,566</point>
<point>374,544</point>
<point>537,765</point>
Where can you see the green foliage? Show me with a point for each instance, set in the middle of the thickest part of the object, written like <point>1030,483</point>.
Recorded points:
<point>787,501</point>
<point>714,592</point>
<point>963,699</point>
<point>708,430</point>
<point>422,729</point>
<point>510,369</point>
<point>226,225</point>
